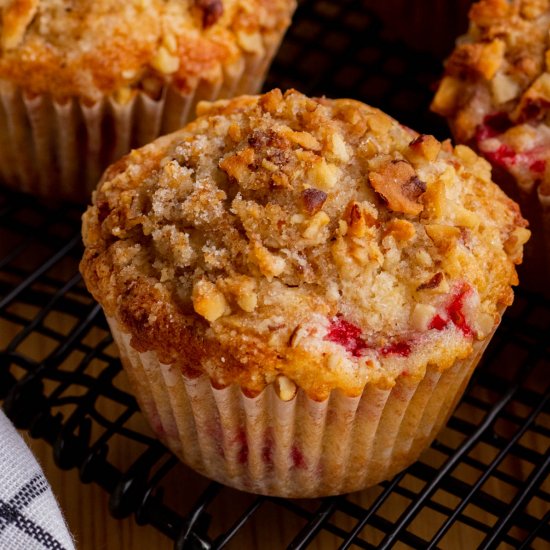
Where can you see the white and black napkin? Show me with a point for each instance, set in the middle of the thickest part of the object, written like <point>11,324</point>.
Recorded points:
<point>30,518</point>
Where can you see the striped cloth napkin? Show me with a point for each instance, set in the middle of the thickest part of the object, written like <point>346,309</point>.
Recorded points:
<point>30,518</point>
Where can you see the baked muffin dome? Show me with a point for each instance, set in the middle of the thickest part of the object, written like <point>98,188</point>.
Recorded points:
<point>307,242</point>
<point>92,48</point>
<point>496,88</point>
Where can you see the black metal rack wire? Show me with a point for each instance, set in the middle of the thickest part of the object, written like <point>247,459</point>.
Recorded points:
<point>486,478</point>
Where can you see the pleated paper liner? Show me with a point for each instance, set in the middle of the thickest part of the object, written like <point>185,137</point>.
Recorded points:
<point>296,448</point>
<point>59,150</point>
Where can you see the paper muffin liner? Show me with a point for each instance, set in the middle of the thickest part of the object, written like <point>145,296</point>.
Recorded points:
<point>59,150</point>
<point>297,448</point>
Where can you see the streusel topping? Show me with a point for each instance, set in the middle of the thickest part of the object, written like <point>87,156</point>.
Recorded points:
<point>496,89</point>
<point>309,242</point>
<point>89,48</point>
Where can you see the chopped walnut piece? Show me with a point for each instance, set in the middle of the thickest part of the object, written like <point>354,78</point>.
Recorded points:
<point>313,231</point>
<point>400,187</point>
<point>298,334</point>
<point>237,166</point>
<point>443,236</point>
<point>303,139</point>
<point>280,180</point>
<point>360,253</point>
<point>212,10</point>
<point>234,132</point>
<point>358,218</point>
<point>379,122</point>
<point>483,59</point>
<point>338,148</point>
<point>243,289</point>
<point>447,96</point>
<point>422,316</point>
<point>165,62</point>
<point>535,101</point>
<point>324,175</point>
<point>484,324</point>
<point>504,88</point>
<point>270,166</point>
<point>313,200</point>
<point>423,148</point>
<point>208,301</point>
<point>435,199</point>
<point>434,282</point>
<point>514,244</point>
<point>16,17</point>
<point>271,101</point>
<point>269,264</point>
<point>286,389</point>
<point>466,218</point>
<point>400,230</point>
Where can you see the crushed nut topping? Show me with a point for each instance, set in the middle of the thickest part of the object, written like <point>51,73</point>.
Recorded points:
<point>270,233</point>
<point>423,148</point>
<point>212,10</point>
<point>313,200</point>
<point>434,282</point>
<point>399,185</point>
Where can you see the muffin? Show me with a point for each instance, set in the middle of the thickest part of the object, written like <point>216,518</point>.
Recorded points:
<point>300,288</point>
<point>81,83</point>
<point>496,97</point>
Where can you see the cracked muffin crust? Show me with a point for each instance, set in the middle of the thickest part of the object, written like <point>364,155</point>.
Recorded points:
<point>496,88</point>
<point>92,48</point>
<point>302,242</point>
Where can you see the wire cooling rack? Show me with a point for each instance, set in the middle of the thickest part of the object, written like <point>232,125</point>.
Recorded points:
<point>485,480</point>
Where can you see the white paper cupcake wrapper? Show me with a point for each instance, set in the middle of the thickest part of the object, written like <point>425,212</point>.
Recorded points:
<point>296,448</point>
<point>60,150</point>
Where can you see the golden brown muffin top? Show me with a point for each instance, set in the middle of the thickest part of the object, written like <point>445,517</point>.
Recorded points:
<point>92,48</point>
<point>496,89</point>
<point>307,241</point>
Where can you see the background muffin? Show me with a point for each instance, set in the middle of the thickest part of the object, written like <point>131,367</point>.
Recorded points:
<point>300,288</point>
<point>496,96</point>
<point>82,81</point>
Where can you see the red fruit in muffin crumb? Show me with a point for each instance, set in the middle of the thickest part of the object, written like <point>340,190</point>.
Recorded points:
<point>455,314</point>
<point>438,323</point>
<point>398,348</point>
<point>502,156</point>
<point>505,156</point>
<point>493,125</point>
<point>538,166</point>
<point>347,335</point>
